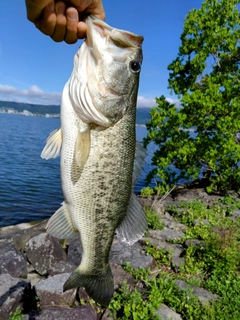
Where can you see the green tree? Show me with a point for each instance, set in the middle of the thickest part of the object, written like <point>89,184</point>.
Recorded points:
<point>206,77</point>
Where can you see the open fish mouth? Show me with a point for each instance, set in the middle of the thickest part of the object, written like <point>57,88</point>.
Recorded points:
<point>104,67</point>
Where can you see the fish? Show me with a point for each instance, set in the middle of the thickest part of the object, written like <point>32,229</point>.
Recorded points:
<point>100,159</point>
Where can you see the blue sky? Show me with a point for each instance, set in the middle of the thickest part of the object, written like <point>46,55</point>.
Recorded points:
<point>34,68</point>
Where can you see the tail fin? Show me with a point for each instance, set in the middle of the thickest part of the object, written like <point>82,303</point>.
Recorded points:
<point>99,287</point>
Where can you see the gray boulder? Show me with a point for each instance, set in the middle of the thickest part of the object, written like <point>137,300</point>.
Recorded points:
<point>135,255</point>
<point>43,251</point>
<point>202,295</point>
<point>50,291</point>
<point>166,313</point>
<point>57,313</point>
<point>12,261</point>
<point>14,293</point>
<point>166,234</point>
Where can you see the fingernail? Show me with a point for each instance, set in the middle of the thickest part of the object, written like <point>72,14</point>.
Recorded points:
<point>72,15</point>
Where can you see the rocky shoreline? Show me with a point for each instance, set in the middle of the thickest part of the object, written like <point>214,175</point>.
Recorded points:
<point>35,265</point>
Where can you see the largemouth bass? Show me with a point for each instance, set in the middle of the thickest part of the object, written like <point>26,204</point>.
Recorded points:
<point>97,143</point>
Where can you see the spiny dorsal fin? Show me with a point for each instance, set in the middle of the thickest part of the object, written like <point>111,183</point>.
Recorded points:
<point>134,224</point>
<point>53,145</point>
<point>83,145</point>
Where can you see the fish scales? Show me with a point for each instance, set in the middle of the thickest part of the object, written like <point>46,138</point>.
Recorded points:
<point>97,140</point>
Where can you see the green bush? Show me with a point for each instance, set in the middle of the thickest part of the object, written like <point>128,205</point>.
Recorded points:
<point>206,77</point>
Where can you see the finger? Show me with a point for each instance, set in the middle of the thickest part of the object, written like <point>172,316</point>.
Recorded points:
<point>81,5</point>
<point>35,8</point>
<point>96,9</point>
<point>81,30</point>
<point>48,21</point>
<point>72,22</point>
<point>61,22</point>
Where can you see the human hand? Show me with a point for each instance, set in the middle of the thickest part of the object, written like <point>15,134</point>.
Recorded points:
<point>63,20</point>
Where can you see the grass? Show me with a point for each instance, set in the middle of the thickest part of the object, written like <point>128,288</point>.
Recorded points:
<point>213,265</point>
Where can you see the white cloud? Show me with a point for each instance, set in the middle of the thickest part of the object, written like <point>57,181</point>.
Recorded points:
<point>174,101</point>
<point>31,95</point>
<point>143,102</point>
<point>35,95</point>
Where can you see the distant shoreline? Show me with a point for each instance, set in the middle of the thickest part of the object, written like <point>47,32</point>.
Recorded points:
<point>46,115</point>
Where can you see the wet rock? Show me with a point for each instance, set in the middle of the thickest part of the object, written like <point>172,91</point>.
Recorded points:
<point>43,251</point>
<point>135,255</point>
<point>50,291</point>
<point>53,313</point>
<point>12,261</point>
<point>166,313</point>
<point>166,234</point>
<point>14,293</point>
<point>203,295</point>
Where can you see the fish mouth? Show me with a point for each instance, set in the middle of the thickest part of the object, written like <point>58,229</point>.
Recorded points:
<point>98,30</point>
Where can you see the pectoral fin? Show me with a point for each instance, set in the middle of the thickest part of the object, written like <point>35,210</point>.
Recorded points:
<point>60,224</point>
<point>83,145</point>
<point>53,145</point>
<point>134,224</point>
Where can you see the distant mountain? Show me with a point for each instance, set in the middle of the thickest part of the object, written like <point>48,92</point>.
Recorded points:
<point>33,108</point>
<point>143,115</point>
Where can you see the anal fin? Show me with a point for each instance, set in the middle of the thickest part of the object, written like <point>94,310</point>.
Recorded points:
<point>134,224</point>
<point>53,145</point>
<point>60,224</point>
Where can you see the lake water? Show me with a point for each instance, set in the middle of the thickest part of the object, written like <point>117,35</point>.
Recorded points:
<point>30,187</point>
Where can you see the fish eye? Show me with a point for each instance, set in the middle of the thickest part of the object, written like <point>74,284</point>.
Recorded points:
<point>135,66</point>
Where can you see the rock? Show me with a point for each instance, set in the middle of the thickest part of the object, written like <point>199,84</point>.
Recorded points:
<point>57,313</point>
<point>166,234</point>
<point>120,275</point>
<point>198,222</point>
<point>158,207</point>
<point>61,267</point>
<point>74,254</point>
<point>177,263</point>
<point>14,293</point>
<point>34,278</point>
<point>50,291</point>
<point>12,261</point>
<point>43,251</point>
<point>202,295</point>
<point>175,249</point>
<point>236,212</point>
<point>173,225</point>
<point>192,243</point>
<point>20,239</point>
<point>135,255</point>
<point>166,313</point>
